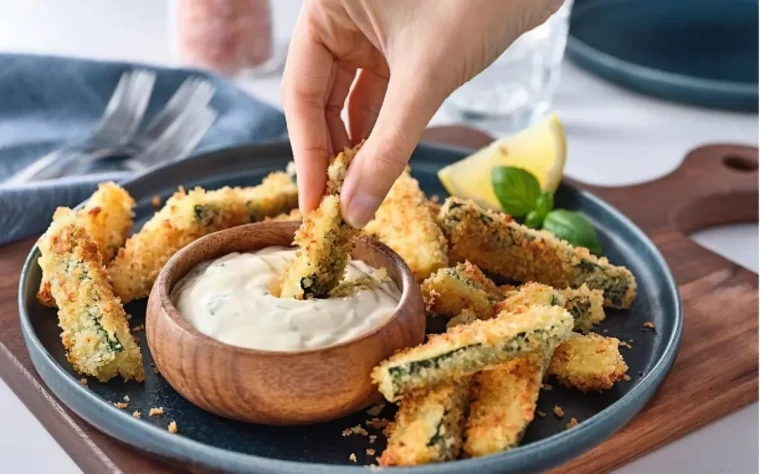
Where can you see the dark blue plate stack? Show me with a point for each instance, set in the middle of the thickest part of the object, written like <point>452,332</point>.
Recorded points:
<point>702,52</point>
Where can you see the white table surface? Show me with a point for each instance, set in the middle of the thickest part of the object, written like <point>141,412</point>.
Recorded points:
<point>615,138</point>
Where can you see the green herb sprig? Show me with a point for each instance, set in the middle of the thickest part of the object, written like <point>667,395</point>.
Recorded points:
<point>520,195</point>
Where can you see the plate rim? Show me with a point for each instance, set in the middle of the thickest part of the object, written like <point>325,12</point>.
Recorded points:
<point>596,59</point>
<point>122,426</point>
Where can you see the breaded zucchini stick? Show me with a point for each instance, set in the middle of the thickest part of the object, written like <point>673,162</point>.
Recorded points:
<point>294,215</point>
<point>107,218</point>
<point>324,240</point>
<point>95,332</point>
<point>405,223</point>
<point>494,242</point>
<point>589,362</point>
<point>503,404</point>
<point>464,350</point>
<point>585,306</point>
<point>188,216</point>
<point>428,425</point>
<point>451,290</point>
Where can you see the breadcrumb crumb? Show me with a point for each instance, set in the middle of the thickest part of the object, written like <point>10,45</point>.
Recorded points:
<point>83,382</point>
<point>540,413</point>
<point>378,423</point>
<point>559,411</point>
<point>376,409</point>
<point>172,428</point>
<point>627,378</point>
<point>546,386</point>
<point>120,405</point>
<point>136,414</point>
<point>352,457</point>
<point>571,424</point>
<point>648,325</point>
<point>370,452</point>
<point>156,411</point>
<point>358,430</point>
<point>156,201</point>
<point>372,438</point>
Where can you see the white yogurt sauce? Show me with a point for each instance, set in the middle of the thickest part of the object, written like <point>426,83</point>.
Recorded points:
<point>229,300</point>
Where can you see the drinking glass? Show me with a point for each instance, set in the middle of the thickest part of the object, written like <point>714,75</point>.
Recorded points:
<point>517,89</point>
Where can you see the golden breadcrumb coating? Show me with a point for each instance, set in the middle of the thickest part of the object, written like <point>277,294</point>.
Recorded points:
<point>428,425</point>
<point>464,350</point>
<point>188,216</point>
<point>585,305</point>
<point>503,404</point>
<point>95,331</point>
<point>449,291</point>
<point>405,223</point>
<point>588,363</point>
<point>294,215</point>
<point>323,240</point>
<point>107,218</point>
<point>495,243</point>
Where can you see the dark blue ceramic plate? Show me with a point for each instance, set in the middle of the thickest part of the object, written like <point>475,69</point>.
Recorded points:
<point>215,442</point>
<point>703,52</point>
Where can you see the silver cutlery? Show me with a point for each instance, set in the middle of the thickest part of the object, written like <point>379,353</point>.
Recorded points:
<point>118,124</point>
<point>116,134</point>
<point>192,97</point>
<point>179,140</point>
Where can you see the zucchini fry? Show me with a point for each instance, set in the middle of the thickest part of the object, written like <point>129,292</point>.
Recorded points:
<point>588,363</point>
<point>428,425</point>
<point>324,241</point>
<point>451,290</point>
<point>503,404</point>
<point>95,332</point>
<point>464,350</point>
<point>494,242</point>
<point>405,223</point>
<point>294,215</point>
<point>187,217</point>
<point>107,218</point>
<point>584,305</point>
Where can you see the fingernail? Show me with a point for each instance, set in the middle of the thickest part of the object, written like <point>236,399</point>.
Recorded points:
<point>361,208</point>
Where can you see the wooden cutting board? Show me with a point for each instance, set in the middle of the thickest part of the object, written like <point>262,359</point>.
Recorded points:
<point>716,371</point>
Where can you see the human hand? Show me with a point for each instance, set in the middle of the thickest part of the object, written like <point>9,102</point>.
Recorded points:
<point>403,57</point>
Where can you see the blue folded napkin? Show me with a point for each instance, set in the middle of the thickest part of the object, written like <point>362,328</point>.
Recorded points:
<point>46,102</point>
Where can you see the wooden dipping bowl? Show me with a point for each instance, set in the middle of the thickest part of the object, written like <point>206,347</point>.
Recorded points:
<point>273,387</point>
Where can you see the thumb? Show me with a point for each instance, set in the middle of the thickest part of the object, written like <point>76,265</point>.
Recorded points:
<point>408,106</point>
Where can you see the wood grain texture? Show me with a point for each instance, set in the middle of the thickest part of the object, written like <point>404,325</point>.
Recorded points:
<point>715,372</point>
<point>276,388</point>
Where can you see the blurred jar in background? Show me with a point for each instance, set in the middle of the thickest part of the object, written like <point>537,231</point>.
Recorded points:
<point>517,89</point>
<point>231,37</point>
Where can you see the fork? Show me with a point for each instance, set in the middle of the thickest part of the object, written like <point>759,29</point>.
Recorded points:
<point>117,126</point>
<point>191,97</point>
<point>180,139</point>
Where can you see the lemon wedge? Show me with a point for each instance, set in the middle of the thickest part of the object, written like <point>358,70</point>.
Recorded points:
<point>539,149</point>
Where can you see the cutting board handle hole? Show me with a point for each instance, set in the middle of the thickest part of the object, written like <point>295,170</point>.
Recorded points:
<point>740,163</point>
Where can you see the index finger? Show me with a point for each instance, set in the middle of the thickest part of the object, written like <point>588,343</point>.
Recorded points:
<point>305,86</point>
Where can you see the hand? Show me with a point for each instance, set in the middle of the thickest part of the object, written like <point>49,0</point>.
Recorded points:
<point>403,57</point>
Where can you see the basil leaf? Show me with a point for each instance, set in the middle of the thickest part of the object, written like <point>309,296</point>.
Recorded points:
<point>574,228</point>
<point>516,189</point>
<point>534,219</point>
<point>545,203</point>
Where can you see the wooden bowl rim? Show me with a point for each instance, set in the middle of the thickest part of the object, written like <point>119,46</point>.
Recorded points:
<point>409,285</point>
